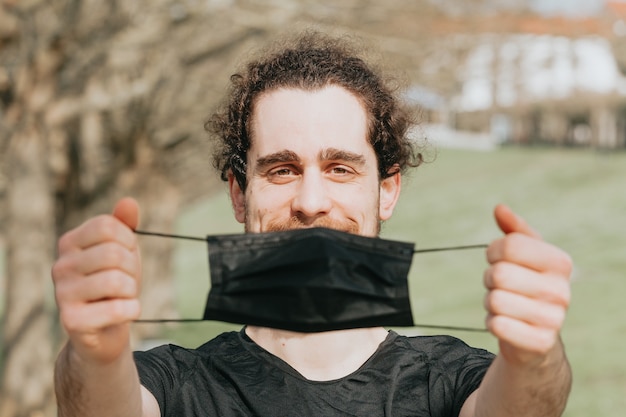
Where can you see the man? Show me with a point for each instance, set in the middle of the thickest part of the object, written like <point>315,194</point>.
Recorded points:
<point>310,136</point>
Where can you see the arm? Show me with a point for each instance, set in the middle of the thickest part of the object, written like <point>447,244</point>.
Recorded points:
<point>96,281</point>
<point>527,299</point>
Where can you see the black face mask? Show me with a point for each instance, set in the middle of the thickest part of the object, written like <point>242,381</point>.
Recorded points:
<point>309,280</point>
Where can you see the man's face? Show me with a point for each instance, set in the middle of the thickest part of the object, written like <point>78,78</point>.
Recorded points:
<point>310,165</point>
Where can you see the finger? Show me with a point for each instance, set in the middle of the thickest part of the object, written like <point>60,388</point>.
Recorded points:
<point>531,311</point>
<point>521,335</point>
<point>93,317</point>
<point>509,222</point>
<point>104,228</point>
<point>127,211</point>
<point>108,255</point>
<point>103,285</point>
<point>514,278</point>
<point>531,253</point>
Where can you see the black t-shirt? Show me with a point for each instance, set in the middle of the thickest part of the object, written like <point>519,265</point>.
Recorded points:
<point>233,376</point>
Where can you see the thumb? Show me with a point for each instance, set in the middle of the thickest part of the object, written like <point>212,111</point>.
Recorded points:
<point>127,211</point>
<point>509,222</point>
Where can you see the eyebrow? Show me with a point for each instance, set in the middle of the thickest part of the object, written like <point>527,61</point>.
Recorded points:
<point>328,154</point>
<point>276,158</point>
<point>334,154</point>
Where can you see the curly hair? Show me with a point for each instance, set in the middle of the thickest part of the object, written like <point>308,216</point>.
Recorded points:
<point>311,62</point>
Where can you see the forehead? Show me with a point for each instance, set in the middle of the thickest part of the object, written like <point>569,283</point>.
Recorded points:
<point>306,121</point>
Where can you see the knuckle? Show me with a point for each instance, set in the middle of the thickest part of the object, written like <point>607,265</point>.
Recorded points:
<point>58,270</point>
<point>564,296</point>
<point>497,325</point>
<point>493,250</point>
<point>560,292</point>
<point>493,302</point>
<point>486,301</point>
<point>499,272</point>
<point>70,320</point>
<point>565,263</point>
<point>62,295</point>
<point>65,242</point>
<point>62,269</point>
<point>488,278</point>
<point>487,322</point>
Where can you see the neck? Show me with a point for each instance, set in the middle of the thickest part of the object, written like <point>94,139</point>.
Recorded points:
<point>320,356</point>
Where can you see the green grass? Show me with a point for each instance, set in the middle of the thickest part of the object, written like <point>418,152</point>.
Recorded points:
<point>574,198</point>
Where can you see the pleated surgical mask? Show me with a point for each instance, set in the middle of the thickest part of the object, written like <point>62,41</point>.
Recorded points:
<point>309,280</point>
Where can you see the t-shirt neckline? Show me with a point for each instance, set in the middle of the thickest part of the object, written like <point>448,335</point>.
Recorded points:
<point>279,363</point>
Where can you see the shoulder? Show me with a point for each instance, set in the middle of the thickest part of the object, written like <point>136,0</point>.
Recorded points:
<point>179,377</point>
<point>453,370</point>
<point>171,356</point>
<point>441,350</point>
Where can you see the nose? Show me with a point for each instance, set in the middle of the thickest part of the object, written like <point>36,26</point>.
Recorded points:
<point>312,199</point>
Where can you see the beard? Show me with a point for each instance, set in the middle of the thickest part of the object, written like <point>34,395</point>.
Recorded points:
<point>295,222</point>
<point>300,222</point>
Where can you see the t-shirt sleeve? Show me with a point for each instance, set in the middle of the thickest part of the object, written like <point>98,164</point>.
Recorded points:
<point>457,371</point>
<point>161,371</point>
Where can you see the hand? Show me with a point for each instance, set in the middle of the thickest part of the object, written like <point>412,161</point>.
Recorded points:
<point>97,279</point>
<point>528,291</point>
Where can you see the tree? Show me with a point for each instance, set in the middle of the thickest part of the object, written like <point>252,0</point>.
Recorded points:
<point>99,99</point>
<point>104,99</point>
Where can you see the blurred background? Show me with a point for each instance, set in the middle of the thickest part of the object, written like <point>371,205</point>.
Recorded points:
<point>520,102</point>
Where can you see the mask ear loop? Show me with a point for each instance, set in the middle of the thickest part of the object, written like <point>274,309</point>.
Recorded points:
<point>448,248</point>
<point>426,326</point>
<point>143,232</point>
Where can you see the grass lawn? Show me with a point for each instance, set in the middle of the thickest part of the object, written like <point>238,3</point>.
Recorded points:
<point>575,198</point>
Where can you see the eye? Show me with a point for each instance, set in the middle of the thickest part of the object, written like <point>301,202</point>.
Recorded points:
<point>341,172</point>
<point>282,174</point>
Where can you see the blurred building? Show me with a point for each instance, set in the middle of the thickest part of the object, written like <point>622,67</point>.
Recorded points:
<point>531,79</point>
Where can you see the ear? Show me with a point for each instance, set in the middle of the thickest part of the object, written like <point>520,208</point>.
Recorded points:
<point>237,198</point>
<point>389,194</point>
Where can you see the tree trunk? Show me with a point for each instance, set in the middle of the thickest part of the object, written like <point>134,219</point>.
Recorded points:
<point>27,341</point>
<point>28,344</point>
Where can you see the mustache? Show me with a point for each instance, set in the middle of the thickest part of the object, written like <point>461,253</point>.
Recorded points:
<point>295,222</point>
